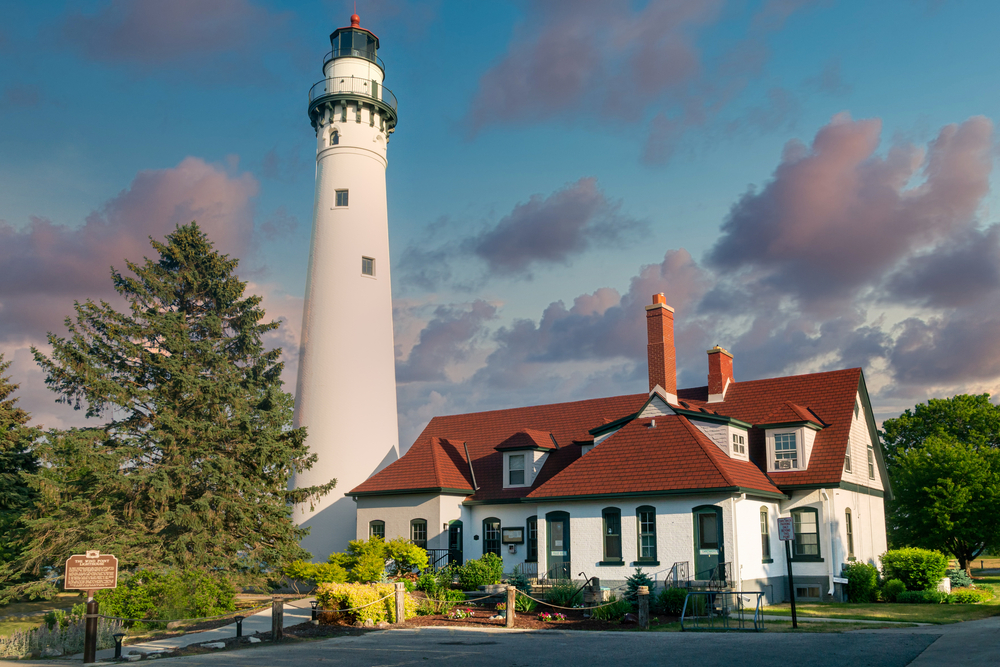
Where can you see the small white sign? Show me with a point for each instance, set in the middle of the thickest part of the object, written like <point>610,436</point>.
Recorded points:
<point>839,580</point>
<point>786,528</point>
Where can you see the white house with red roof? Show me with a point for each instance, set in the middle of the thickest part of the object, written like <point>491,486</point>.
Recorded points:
<point>687,484</point>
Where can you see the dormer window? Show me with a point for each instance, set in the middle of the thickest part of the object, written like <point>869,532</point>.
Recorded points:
<point>515,474</point>
<point>786,453</point>
<point>739,444</point>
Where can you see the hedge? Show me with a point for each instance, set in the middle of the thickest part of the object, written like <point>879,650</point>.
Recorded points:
<point>334,597</point>
<point>919,569</point>
<point>862,582</point>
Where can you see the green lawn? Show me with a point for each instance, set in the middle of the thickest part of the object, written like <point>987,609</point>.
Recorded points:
<point>912,613</point>
<point>28,615</point>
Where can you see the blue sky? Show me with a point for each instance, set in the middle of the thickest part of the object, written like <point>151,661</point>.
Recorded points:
<point>809,182</point>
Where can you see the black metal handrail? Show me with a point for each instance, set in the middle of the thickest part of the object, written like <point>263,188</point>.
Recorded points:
<point>352,53</point>
<point>354,85</point>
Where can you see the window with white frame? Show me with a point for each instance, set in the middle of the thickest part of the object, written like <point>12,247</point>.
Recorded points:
<point>515,470</point>
<point>785,449</point>
<point>871,462</point>
<point>376,529</point>
<point>847,457</point>
<point>418,532</point>
<point>739,444</point>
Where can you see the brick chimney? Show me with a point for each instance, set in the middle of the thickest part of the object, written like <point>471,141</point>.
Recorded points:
<point>720,373</point>
<point>660,350</point>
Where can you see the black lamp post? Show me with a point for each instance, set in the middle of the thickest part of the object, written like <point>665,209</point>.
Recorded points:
<point>315,611</point>
<point>119,636</point>
<point>239,625</point>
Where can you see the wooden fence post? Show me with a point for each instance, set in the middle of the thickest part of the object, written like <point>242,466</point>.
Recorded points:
<point>400,603</point>
<point>277,619</point>
<point>644,607</point>
<point>511,596</point>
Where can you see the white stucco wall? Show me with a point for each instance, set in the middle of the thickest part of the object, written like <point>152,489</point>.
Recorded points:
<point>751,565</point>
<point>868,517</point>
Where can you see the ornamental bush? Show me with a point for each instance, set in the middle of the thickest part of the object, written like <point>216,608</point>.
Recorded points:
<point>959,579</point>
<point>565,594</point>
<point>168,594</point>
<point>670,601</point>
<point>613,611</point>
<point>919,569</point>
<point>922,597</point>
<point>862,582</point>
<point>969,595</point>
<point>315,573</point>
<point>352,598</point>
<point>484,571</point>
<point>632,583</point>
<point>891,590</point>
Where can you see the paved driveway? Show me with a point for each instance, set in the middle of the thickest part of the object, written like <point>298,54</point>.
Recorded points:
<point>975,643</point>
<point>449,646</point>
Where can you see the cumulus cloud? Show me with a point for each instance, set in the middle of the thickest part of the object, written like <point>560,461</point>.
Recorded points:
<point>836,216</point>
<point>553,229</point>
<point>851,254</point>
<point>576,53</point>
<point>45,266</point>
<point>449,337</point>
<point>545,230</point>
<point>188,34</point>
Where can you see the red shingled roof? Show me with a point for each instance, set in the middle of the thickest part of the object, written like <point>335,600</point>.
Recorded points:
<point>830,396</point>
<point>790,413</point>
<point>672,456</point>
<point>684,458</point>
<point>434,463</point>
<point>528,438</point>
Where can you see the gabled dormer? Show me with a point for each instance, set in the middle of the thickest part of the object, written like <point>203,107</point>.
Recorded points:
<point>790,431</point>
<point>655,406</point>
<point>731,435</point>
<point>524,454</point>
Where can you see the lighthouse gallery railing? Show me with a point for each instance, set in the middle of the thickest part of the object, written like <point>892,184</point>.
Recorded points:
<point>354,85</point>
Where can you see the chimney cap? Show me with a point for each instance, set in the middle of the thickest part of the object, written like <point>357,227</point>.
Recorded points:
<point>716,349</point>
<point>659,301</point>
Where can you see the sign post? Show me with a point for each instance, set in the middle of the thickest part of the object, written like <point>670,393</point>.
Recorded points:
<point>786,533</point>
<point>90,572</point>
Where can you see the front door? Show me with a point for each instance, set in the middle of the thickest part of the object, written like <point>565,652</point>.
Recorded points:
<point>709,550</point>
<point>455,543</point>
<point>557,540</point>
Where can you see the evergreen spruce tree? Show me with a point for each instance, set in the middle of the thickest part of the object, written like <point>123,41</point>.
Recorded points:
<point>16,462</point>
<point>193,466</point>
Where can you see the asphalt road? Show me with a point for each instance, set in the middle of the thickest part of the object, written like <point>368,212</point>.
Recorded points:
<point>424,646</point>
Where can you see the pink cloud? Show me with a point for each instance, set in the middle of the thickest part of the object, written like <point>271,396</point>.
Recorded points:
<point>571,54</point>
<point>177,33</point>
<point>836,216</point>
<point>44,266</point>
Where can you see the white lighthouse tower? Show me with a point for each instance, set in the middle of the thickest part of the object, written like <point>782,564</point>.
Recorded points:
<point>346,390</point>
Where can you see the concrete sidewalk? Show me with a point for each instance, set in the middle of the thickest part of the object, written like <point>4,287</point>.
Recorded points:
<point>962,644</point>
<point>295,612</point>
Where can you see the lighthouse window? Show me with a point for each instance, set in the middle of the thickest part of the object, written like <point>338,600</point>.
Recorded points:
<point>367,266</point>
<point>341,197</point>
<point>334,140</point>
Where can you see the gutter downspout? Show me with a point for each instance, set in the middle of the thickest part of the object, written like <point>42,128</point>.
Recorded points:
<point>737,572</point>
<point>828,511</point>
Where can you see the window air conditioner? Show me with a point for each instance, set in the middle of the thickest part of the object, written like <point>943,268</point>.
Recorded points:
<point>783,464</point>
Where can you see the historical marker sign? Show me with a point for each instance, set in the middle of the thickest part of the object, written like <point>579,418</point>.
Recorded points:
<point>786,528</point>
<point>91,571</point>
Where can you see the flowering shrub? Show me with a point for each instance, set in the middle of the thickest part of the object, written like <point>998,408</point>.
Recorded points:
<point>501,606</point>
<point>546,616</point>
<point>458,613</point>
<point>334,597</point>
